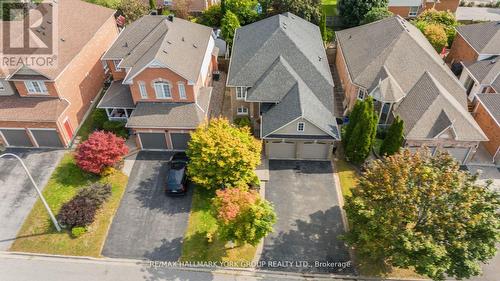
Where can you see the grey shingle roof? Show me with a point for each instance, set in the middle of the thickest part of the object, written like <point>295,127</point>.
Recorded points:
<point>395,48</point>
<point>171,115</point>
<point>496,84</point>
<point>283,60</point>
<point>179,45</point>
<point>492,103</point>
<point>388,90</point>
<point>485,71</point>
<point>117,95</point>
<point>422,112</point>
<point>483,37</point>
<point>398,46</point>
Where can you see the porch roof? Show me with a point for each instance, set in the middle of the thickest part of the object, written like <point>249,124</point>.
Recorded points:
<point>117,96</point>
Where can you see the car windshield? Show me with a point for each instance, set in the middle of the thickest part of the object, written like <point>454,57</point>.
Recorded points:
<point>175,176</point>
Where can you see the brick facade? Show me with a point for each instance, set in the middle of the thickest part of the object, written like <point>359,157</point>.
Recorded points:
<point>79,84</point>
<point>461,51</point>
<point>350,90</point>
<point>489,127</point>
<point>444,5</point>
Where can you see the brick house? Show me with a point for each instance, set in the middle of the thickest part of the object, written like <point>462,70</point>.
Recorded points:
<point>162,70</point>
<point>392,61</point>
<point>44,106</point>
<point>279,77</point>
<point>487,115</point>
<point>474,56</point>
<point>412,8</point>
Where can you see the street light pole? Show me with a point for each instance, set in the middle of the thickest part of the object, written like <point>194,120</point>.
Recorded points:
<point>56,224</point>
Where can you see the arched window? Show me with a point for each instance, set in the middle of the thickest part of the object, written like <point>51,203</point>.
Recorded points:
<point>162,90</point>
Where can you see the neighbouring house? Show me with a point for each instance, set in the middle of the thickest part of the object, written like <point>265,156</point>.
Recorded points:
<point>392,61</point>
<point>195,6</point>
<point>279,77</point>
<point>413,8</point>
<point>43,106</point>
<point>487,115</point>
<point>162,70</point>
<point>475,56</point>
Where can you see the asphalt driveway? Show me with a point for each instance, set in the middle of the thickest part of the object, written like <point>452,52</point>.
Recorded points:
<point>309,219</point>
<point>17,194</point>
<point>148,225</point>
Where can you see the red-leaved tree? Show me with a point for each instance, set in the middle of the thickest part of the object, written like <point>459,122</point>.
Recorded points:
<point>100,150</point>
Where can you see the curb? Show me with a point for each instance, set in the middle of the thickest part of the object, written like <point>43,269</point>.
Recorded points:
<point>220,270</point>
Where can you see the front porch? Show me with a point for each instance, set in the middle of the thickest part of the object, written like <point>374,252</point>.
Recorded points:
<point>118,102</point>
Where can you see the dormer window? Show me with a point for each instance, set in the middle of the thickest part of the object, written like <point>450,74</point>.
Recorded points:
<point>36,87</point>
<point>241,93</point>
<point>362,93</point>
<point>301,126</point>
<point>116,63</point>
<point>162,90</point>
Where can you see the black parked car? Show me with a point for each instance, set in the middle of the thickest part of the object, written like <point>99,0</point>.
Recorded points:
<point>177,181</point>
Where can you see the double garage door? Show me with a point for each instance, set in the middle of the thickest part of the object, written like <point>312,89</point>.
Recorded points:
<point>298,150</point>
<point>41,138</point>
<point>459,153</point>
<point>158,141</point>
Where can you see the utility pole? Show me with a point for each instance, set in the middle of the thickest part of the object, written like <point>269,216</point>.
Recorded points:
<point>52,217</point>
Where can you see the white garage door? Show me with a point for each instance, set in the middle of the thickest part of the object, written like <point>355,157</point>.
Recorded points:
<point>281,150</point>
<point>153,141</point>
<point>458,153</point>
<point>317,151</point>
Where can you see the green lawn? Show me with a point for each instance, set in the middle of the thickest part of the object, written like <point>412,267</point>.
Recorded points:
<point>347,175</point>
<point>196,246</point>
<point>113,4</point>
<point>37,235</point>
<point>329,7</point>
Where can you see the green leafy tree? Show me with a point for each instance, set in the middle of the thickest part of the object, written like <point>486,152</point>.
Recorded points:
<point>415,210</point>
<point>133,9</point>
<point>436,35</point>
<point>309,10</point>
<point>360,132</point>
<point>376,14</point>
<point>211,16</point>
<point>229,24</point>
<point>354,11</point>
<point>446,19</point>
<point>222,155</point>
<point>243,216</point>
<point>394,138</point>
<point>245,10</point>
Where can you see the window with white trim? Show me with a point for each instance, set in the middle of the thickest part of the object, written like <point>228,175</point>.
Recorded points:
<point>2,87</point>
<point>182,91</point>
<point>143,90</point>
<point>241,93</point>
<point>116,63</point>
<point>362,94</point>
<point>36,87</point>
<point>162,90</point>
<point>413,11</point>
<point>242,110</point>
<point>301,126</point>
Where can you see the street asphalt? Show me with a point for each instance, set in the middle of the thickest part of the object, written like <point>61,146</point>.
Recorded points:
<point>149,225</point>
<point>309,219</point>
<point>17,194</point>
